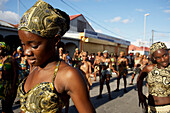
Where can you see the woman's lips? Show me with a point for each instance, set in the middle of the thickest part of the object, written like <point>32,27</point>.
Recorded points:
<point>31,61</point>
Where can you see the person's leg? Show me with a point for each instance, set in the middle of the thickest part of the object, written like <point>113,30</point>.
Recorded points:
<point>133,75</point>
<point>108,86</point>
<point>118,81</point>
<point>124,78</point>
<point>95,73</point>
<point>101,87</point>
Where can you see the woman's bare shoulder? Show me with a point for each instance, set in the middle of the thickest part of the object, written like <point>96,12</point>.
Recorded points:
<point>67,76</point>
<point>148,68</point>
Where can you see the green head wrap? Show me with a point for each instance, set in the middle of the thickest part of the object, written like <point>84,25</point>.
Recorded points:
<point>42,19</point>
<point>156,46</point>
<point>3,45</point>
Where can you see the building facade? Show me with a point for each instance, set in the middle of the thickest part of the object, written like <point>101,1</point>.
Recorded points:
<point>80,35</point>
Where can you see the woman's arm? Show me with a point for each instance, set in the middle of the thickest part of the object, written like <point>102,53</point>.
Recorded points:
<point>142,75</point>
<point>77,89</point>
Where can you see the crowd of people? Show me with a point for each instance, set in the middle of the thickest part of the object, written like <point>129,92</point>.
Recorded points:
<point>44,77</point>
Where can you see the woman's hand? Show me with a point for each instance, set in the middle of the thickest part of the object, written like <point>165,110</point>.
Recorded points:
<point>142,101</point>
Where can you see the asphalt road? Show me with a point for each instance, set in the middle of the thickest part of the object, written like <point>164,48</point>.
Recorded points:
<point>121,102</point>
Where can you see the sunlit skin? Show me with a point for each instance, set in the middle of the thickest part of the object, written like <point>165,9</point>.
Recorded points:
<point>122,63</point>
<point>68,81</point>
<point>106,76</point>
<point>137,60</point>
<point>162,61</point>
<point>97,61</point>
<point>86,68</point>
<point>76,57</point>
<point>144,61</point>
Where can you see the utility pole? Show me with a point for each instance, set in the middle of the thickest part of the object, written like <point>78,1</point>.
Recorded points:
<point>152,35</point>
<point>18,9</point>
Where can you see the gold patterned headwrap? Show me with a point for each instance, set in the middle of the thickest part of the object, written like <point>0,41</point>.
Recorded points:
<point>157,45</point>
<point>42,19</point>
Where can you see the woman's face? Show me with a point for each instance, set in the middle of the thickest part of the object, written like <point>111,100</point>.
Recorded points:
<point>37,49</point>
<point>137,54</point>
<point>105,54</point>
<point>84,56</point>
<point>122,54</point>
<point>161,57</point>
<point>144,56</point>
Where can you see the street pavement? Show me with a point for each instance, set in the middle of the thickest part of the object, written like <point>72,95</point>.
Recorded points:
<point>121,102</point>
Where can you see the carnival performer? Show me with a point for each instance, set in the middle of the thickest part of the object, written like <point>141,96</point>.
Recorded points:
<point>158,80</point>
<point>85,66</point>
<point>106,67</point>
<point>8,79</point>
<point>51,82</point>
<point>122,63</point>
<point>137,66</point>
<point>113,60</point>
<point>23,66</point>
<point>62,55</point>
<point>76,58</point>
<point>96,64</point>
<point>144,61</point>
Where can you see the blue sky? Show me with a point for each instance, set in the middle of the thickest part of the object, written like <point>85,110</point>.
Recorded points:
<point>119,18</point>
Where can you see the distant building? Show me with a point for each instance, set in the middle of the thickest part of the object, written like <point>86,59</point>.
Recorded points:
<point>81,34</point>
<point>92,41</point>
<point>134,49</point>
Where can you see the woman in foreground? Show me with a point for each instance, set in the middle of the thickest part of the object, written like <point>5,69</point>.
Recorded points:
<point>158,80</point>
<point>51,82</point>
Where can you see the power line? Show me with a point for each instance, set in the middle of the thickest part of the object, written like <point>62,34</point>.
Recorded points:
<point>161,31</point>
<point>91,19</point>
<point>23,4</point>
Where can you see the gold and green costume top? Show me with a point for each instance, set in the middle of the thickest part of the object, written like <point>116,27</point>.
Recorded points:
<point>42,98</point>
<point>159,82</point>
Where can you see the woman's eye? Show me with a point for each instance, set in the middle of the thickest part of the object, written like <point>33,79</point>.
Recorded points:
<point>35,47</point>
<point>165,55</point>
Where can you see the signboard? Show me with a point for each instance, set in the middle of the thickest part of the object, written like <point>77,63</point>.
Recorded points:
<point>101,36</point>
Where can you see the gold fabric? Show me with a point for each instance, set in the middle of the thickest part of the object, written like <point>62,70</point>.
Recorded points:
<point>42,19</point>
<point>156,46</point>
<point>42,98</point>
<point>159,82</point>
<point>159,109</point>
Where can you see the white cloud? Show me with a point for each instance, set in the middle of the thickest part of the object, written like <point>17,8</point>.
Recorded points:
<point>140,10</point>
<point>9,16</point>
<point>167,44</point>
<point>125,21</point>
<point>116,19</point>
<point>166,11</point>
<point>98,30</point>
